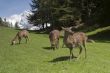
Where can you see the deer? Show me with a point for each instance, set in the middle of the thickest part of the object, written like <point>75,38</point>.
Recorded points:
<point>74,39</point>
<point>54,39</point>
<point>20,34</point>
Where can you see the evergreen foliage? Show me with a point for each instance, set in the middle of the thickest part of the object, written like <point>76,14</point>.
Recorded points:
<point>68,12</point>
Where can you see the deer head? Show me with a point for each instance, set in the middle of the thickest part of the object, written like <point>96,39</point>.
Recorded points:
<point>68,30</point>
<point>13,42</point>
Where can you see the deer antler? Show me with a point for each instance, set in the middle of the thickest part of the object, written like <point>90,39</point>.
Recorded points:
<point>77,26</point>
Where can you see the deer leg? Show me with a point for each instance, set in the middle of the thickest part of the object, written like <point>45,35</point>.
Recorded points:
<point>80,47</point>
<point>26,39</point>
<point>52,47</point>
<point>19,40</point>
<point>63,45</point>
<point>85,48</point>
<point>57,46</point>
<point>71,53</point>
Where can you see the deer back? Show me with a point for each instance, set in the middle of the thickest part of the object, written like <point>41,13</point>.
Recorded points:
<point>71,37</point>
<point>23,33</point>
<point>54,36</point>
<point>79,38</point>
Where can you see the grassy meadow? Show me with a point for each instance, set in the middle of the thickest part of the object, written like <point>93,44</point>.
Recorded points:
<point>37,57</point>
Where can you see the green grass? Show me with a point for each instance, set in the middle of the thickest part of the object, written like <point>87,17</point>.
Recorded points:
<point>36,57</point>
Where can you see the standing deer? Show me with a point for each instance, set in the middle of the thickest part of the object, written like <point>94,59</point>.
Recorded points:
<point>74,39</point>
<point>54,39</point>
<point>19,36</point>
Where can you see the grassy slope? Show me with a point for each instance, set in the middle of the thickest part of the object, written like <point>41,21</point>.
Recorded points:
<point>98,30</point>
<point>36,57</point>
<point>100,34</point>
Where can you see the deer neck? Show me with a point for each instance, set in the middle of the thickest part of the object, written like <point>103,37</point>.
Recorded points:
<point>15,38</point>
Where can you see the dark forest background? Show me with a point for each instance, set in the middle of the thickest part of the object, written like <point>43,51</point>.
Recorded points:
<point>66,13</point>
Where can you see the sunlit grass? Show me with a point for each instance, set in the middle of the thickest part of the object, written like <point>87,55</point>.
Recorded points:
<point>36,57</point>
<point>98,30</point>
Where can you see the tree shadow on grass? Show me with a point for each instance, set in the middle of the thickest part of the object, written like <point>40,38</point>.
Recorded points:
<point>102,37</point>
<point>59,59</point>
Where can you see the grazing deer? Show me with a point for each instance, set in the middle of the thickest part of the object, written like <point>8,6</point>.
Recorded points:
<point>74,39</point>
<point>19,36</point>
<point>54,39</point>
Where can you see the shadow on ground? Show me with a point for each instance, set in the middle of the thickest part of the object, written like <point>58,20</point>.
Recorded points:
<point>47,48</point>
<point>62,58</point>
<point>59,59</point>
<point>103,37</point>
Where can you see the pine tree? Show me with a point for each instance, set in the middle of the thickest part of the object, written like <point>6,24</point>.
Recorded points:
<point>67,12</point>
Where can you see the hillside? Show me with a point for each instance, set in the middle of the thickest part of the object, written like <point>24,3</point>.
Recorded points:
<point>37,57</point>
<point>100,34</point>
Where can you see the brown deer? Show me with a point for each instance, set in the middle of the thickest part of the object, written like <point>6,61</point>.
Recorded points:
<point>73,40</point>
<point>19,36</point>
<point>54,39</point>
